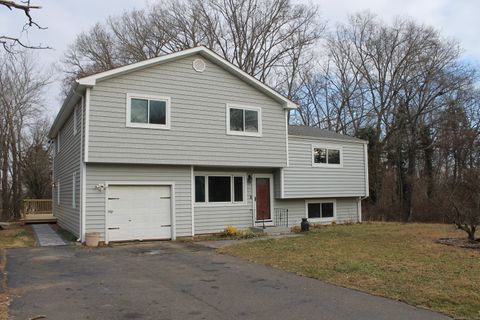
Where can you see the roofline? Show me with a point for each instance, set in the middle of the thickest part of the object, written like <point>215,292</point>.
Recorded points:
<point>91,81</point>
<point>331,139</point>
<point>66,109</point>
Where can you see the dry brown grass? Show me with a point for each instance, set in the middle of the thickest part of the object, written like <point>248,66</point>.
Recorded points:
<point>16,236</point>
<point>399,261</point>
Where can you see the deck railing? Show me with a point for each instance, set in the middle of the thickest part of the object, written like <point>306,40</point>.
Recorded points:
<point>37,207</point>
<point>281,217</point>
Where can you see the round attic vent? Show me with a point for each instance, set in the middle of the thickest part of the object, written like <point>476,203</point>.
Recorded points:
<point>199,65</point>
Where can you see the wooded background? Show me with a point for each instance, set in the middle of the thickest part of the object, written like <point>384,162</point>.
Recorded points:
<point>400,85</point>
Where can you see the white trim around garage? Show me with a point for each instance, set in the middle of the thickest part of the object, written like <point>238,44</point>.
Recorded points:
<point>142,183</point>
<point>192,197</point>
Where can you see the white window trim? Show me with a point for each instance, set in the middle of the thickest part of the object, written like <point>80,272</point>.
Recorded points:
<point>322,220</point>
<point>58,192</point>
<point>243,133</point>
<point>326,146</point>
<point>75,120</point>
<point>74,190</point>
<point>57,143</point>
<point>231,203</point>
<point>130,124</point>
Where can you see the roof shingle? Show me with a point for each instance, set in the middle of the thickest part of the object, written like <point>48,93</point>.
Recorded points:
<point>306,131</point>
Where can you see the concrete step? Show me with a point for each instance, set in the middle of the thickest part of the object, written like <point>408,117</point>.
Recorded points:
<point>271,231</point>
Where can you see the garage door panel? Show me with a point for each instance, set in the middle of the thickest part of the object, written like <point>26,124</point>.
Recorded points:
<point>139,212</point>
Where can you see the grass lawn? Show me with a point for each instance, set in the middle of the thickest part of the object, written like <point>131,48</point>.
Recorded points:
<point>14,236</point>
<point>399,261</point>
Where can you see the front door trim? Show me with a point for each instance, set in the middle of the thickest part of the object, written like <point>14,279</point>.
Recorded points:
<point>256,222</point>
<point>142,183</point>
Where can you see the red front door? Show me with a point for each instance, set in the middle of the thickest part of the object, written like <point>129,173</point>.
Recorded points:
<point>263,198</point>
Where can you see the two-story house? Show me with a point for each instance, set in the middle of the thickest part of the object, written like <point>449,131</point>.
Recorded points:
<point>186,144</point>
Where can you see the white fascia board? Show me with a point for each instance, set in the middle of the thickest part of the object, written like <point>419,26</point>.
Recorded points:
<point>92,80</point>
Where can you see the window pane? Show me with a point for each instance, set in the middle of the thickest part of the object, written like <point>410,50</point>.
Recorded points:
<point>236,119</point>
<point>219,189</point>
<point>158,111</point>
<point>238,189</point>
<point>327,210</point>
<point>251,121</point>
<point>333,156</point>
<point>320,155</point>
<point>139,111</point>
<point>199,189</point>
<point>314,210</point>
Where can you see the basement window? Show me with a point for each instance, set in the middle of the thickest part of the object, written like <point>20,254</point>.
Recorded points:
<point>321,210</point>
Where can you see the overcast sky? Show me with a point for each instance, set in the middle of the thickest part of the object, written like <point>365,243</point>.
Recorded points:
<point>66,18</point>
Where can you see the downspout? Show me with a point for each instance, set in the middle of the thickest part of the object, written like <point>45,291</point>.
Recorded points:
<point>367,189</point>
<point>84,160</point>
<point>82,169</point>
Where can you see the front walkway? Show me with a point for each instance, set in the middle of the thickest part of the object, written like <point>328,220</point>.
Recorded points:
<point>46,236</point>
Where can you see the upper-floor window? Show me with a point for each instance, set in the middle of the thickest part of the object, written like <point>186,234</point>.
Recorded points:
<point>245,121</point>
<point>148,111</point>
<point>328,156</point>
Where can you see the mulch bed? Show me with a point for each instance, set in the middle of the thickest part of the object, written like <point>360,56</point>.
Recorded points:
<point>460,242</point>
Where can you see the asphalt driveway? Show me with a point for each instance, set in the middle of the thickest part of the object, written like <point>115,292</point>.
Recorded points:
<point>169,280</point>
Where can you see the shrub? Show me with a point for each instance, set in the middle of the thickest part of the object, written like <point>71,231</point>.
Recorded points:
<point>246,234</point>
<point>296,229</point>
<point>230,231</point>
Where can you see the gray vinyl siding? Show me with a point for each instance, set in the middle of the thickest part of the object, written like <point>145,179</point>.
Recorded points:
<point>346,209</point>
<point>277,181</point>
<point>301,180</point>
<point>66,162</point>
<point>198,119</point>
<point>214,218</point>
<point>102,173</point>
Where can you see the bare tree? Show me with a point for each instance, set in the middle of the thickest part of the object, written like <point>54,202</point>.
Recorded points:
<point>21,87</point>
<point>9,43</point>
<point>463,198</point>
<point>36,164</point>
<point>267,39</point>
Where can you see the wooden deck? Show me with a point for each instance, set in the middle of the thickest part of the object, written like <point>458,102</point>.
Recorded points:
<point>37,211</point>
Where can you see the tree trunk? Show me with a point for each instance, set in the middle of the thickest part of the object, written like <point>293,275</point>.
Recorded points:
<point>409,183</point>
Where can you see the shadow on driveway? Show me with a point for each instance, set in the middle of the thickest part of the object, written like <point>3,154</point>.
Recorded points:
<point>169,280</point>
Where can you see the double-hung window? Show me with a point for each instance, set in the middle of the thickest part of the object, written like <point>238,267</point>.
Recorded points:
<point>326,156</point>
<point>226,189</point>
<point>321,210</point>
<point>244,121</point>
<point>148,111</point>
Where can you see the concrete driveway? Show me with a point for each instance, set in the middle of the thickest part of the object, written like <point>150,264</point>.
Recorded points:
<point>169,280</point>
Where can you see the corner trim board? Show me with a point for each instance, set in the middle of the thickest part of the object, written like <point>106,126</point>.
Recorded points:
<point>87,121</point>
<point>192,198</point>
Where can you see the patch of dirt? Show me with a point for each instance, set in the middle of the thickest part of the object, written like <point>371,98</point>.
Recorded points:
<point>460,242</point>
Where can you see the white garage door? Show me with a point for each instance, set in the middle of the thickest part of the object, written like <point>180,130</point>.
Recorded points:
<point>139,212</point>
